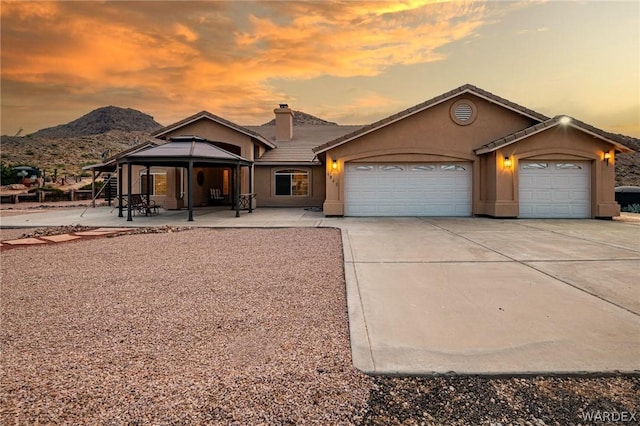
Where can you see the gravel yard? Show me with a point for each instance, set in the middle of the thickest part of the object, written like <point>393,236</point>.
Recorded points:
<point>225,326</point>
<point>188,327</point>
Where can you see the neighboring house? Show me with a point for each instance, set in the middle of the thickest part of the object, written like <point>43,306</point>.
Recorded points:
<point>466,152</point>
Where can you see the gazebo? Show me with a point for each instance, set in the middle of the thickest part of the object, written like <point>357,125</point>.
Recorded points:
<point>187,152</point>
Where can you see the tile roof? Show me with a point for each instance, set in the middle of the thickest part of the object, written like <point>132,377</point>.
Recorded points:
<point>213,117</point>
<point>617,140</point>
<point>300,148</point>
<point>467,88</point>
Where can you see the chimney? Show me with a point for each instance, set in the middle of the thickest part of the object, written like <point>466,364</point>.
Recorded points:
<point>284,123</point>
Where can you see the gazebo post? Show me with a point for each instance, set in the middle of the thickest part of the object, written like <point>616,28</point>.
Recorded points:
<point>148,186</point>
<point>237,184</point>
<point>190,195</point>
<point>129,189</point>
<point>119,166</point>
<point>93,188</point>
<point>250,189</point>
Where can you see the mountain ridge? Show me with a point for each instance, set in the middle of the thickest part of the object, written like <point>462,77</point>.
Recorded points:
<point>103,120</point>
<point>303,119</point>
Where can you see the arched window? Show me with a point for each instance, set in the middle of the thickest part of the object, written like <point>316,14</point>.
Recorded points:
<point>292,182</point>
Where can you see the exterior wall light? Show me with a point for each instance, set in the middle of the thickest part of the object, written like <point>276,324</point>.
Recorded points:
<point>565,120</point>
<point>334,165</point>
<point>607,157</point>
<point>507,161</point>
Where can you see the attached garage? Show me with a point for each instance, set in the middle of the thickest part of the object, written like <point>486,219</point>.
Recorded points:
<point>470,152</point>
<point>408,189</point>
<point>555,189</point>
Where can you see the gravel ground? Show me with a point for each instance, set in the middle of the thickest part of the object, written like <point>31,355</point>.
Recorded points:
<point>228,326</point>
<point>244,326</point>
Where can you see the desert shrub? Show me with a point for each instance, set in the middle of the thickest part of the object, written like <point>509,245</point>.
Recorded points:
<point>632,208</point>
<point>8,174</point>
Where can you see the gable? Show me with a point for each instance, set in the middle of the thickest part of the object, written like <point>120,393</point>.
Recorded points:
<point>213,126</point>
<point>560,127</point>
<point>449,129</point>
<point>446,98</point>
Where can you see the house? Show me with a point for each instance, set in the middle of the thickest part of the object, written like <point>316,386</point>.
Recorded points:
<point>466,152</point>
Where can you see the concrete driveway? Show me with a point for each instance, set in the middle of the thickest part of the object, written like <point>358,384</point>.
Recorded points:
<point>469,295</point>
<point>487,296</point>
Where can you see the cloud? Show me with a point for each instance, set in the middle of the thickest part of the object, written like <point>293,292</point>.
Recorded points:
<point>220,56</point>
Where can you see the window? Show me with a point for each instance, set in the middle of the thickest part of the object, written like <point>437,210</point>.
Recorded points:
<point>535,165</point>
<point>158,181</point>
<point>423,168</point>
<point>364,168</point>
<point>567,166</point>
<point>391,168</point>
<point>452,168</point>
<point>292,182</point>
<point>225,182</point>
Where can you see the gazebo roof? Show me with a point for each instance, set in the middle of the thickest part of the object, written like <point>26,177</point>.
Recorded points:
<point>184,149</point>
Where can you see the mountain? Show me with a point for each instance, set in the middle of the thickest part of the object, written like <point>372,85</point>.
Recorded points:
<point>303,119</point>
<point>103,120</point>
<point>628,165</point>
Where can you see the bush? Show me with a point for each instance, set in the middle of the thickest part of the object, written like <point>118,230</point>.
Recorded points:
<point>632,208</point>
<point>8,174</point>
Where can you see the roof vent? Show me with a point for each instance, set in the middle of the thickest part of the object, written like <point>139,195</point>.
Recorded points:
<point>463,112</point>
<point>284,106</point>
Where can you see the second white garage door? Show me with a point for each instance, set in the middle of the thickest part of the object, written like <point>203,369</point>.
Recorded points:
<point>425,189</point>
<point>555,189</point>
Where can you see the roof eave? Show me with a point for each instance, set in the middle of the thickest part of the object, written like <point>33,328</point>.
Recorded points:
<point>288,163</point>
<point>486,149</point>
<point>181,160</point>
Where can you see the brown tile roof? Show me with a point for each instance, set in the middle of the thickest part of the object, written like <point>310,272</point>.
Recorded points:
<point>300,148</point>
<point>467,88</point>
<point>617,140</point>
<point>213,117</point>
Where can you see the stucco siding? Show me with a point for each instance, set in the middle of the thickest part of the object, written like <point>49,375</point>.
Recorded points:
<point>430,136</point>
<point>215,132</point>
<point>558,144</point>
<point>265,187</point>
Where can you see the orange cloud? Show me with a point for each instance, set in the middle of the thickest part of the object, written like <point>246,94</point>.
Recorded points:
<point>192,56</point>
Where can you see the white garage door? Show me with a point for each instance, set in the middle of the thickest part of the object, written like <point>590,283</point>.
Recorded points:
<point>425,189</point>
<point>555,189</point>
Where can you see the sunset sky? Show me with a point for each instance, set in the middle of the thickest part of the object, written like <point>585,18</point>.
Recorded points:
<point>349,62</point>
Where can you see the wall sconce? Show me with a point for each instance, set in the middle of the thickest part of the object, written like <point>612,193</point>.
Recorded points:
<point>507,161</point>
<point>607,157</point>
<point>334,165</point>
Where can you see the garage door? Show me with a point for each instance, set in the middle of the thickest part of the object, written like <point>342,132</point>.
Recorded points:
<point>554,189</point>
<point>425,189</point>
